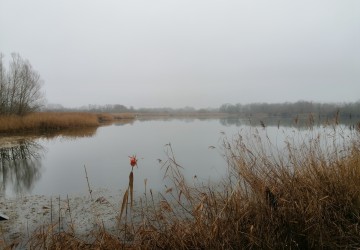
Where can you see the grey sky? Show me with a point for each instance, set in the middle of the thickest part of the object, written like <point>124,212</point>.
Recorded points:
<point>199,53</point>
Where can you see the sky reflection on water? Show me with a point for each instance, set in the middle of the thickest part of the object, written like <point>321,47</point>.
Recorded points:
<point>54,165</point>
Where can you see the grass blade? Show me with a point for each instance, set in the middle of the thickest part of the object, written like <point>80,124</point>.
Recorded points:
<point>131,186</point>
<point>124,202</point>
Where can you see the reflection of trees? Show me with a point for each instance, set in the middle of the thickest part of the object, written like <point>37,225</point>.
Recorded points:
<point>229,121</point>
<point>299,122</point>
<point>267,121</point>
<point>20,158</point>
<point>20,166</point>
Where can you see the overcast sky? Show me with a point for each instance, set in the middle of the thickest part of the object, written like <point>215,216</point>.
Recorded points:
<point>199,53</point>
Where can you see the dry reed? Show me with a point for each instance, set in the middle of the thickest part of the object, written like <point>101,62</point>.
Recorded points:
<point>46,122</point>
<point>53,121</point>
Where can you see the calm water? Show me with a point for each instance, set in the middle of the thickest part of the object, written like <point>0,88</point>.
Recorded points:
<point>54,165</point>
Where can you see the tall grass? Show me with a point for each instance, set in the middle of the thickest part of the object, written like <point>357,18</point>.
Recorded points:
<point>303,195</point>
<point>50,121</point>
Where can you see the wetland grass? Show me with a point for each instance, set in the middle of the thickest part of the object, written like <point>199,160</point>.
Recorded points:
<point>54,121</point>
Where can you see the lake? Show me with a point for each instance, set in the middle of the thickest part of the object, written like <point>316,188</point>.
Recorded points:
<point>53,165</point>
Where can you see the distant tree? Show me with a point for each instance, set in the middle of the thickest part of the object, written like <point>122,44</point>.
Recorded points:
<point>20,87</point>
<point>228,108</point>
<point>119,108</point>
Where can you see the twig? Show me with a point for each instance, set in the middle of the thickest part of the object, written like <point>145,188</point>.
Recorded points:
<point>51,212</point>
<point>27,227</point>
<point>59,215</point>
<point>71,220</point>
<point>87,179</point>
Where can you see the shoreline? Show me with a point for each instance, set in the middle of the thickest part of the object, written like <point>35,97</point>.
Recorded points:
<point>77,212</point>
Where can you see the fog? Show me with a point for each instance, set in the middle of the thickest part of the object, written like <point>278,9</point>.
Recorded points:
<point>187,53</point>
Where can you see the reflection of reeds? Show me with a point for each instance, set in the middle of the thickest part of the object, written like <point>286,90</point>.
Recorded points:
<point>73,133</point>
<point>304,195</point>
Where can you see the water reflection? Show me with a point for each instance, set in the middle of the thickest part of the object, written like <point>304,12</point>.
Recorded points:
<point>20,166</point>
<point>105,152</point>
<point>71,133</point>
<point>123,122</point>
<point>298,122</point>
<point>21,159</point>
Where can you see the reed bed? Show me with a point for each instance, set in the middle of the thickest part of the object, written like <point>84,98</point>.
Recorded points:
<point>52,121</point>
<point>304,195</point>
<point>123,116</point>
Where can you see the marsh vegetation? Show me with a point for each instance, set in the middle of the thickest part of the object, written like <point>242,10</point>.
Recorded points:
<point>303,195</point>
<point>47,122</point>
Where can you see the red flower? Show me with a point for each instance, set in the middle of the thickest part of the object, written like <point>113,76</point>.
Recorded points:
<point>133,160</point>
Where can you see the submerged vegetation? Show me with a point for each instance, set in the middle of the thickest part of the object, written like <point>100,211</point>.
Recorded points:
<point>302,195</point>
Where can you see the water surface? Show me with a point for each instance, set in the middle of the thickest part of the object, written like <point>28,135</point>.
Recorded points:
<point>54,165</point>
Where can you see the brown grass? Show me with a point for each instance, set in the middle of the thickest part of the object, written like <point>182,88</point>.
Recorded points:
<point>123,116</point>
<point>54,121</point>
<point>105,117</point>
<point>303,196</point>
<point>47,121</point>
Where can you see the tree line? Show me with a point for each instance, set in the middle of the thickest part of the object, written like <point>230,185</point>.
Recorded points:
<point>282,110</point>
<point>20,87</point>
<point>287,109</point>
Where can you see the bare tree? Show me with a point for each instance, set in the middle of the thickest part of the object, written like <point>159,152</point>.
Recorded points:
<point>20,87</point>
<point>3,86</point>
